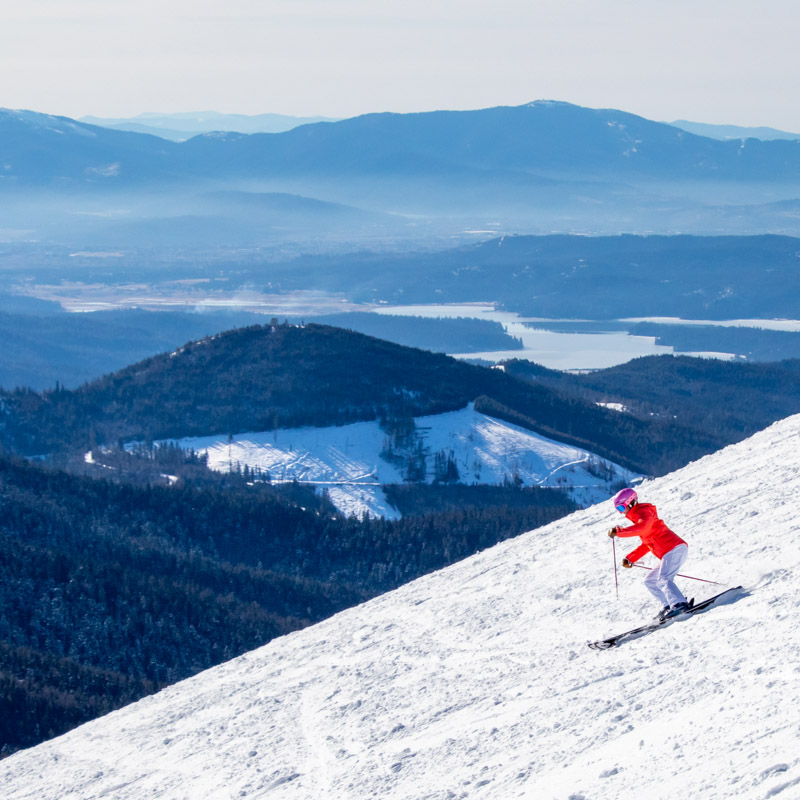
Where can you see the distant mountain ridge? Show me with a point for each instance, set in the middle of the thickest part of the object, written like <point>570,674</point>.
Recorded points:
<point>733,131</point>
<point>43,149</point>
<point>540,140</point>
<point>180,126</point>
<point>538,168</point>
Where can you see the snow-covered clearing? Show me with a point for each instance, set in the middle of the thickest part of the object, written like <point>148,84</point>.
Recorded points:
<point>476,681</point>
<point>346,460</point>
<point>621,407</point>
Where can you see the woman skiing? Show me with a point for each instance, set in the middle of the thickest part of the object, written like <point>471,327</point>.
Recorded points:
<point>659,540</point>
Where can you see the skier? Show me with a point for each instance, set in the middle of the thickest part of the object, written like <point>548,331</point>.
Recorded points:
<point>659,540</point>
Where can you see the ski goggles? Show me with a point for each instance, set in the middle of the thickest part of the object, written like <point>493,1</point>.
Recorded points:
<point>621,508</point>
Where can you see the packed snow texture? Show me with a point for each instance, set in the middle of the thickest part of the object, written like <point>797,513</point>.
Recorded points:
<point>347,461</point>
<point>476,681</point>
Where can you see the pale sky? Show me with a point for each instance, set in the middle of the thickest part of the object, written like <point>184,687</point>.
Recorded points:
<point>722,61</point>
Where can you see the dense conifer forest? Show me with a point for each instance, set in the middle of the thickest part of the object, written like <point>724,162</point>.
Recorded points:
<point>714,402</point>
<point>110,591</point>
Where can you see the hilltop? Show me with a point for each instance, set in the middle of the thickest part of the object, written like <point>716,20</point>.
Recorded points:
<point>261,378</point>
<point>476,681</point>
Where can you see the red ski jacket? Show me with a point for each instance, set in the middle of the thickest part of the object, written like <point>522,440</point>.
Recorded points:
<point>656,537</point>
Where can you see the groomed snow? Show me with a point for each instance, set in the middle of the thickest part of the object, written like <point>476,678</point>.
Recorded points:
<point>476,681</point>
<point>346,459</point>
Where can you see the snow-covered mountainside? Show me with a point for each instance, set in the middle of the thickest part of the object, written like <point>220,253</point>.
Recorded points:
<point>476,681</point>
<point>347,461</point>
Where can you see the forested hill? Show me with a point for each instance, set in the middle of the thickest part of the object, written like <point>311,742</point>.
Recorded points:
<point>728,400</point>
<point>263,377</point>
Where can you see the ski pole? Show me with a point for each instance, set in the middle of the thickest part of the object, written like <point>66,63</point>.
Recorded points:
<point>614,552</point>
<point>703,580</point>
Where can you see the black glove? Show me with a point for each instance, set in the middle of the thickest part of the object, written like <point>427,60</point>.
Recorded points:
<point>613,532</point>
<point>627,564</point>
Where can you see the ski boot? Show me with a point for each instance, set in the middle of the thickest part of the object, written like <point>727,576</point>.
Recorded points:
<point>678,608</point>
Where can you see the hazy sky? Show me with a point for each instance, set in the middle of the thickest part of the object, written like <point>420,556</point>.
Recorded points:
<point>732,61</point>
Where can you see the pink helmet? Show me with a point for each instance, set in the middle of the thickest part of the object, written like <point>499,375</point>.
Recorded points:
<point>624,500</point>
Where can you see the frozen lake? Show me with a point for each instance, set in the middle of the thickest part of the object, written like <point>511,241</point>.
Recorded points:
<point>556,350</point>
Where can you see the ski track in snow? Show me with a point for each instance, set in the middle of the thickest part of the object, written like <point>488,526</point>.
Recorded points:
<point>476,681</point>
<point>346,459</point>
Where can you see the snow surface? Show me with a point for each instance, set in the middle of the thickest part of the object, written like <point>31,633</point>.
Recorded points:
<point>621,407</point>
<point>346,460</point>
<point>476,681</point>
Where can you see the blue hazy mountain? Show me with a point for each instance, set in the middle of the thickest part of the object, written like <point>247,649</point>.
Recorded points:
<point>733,131</point>
<point>38,149</point>
<point>537,168</point>
<point>183,125</point>
<point>544,140</point>
<point>541,141</point>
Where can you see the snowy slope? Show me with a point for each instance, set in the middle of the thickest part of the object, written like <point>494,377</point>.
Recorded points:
<point>476,682</point>
<point>346,459</point>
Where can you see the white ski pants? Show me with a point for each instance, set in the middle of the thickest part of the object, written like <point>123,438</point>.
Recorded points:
<point>661,581</point>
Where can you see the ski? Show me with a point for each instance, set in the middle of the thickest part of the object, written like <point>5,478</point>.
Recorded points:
<point>642,630</point>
